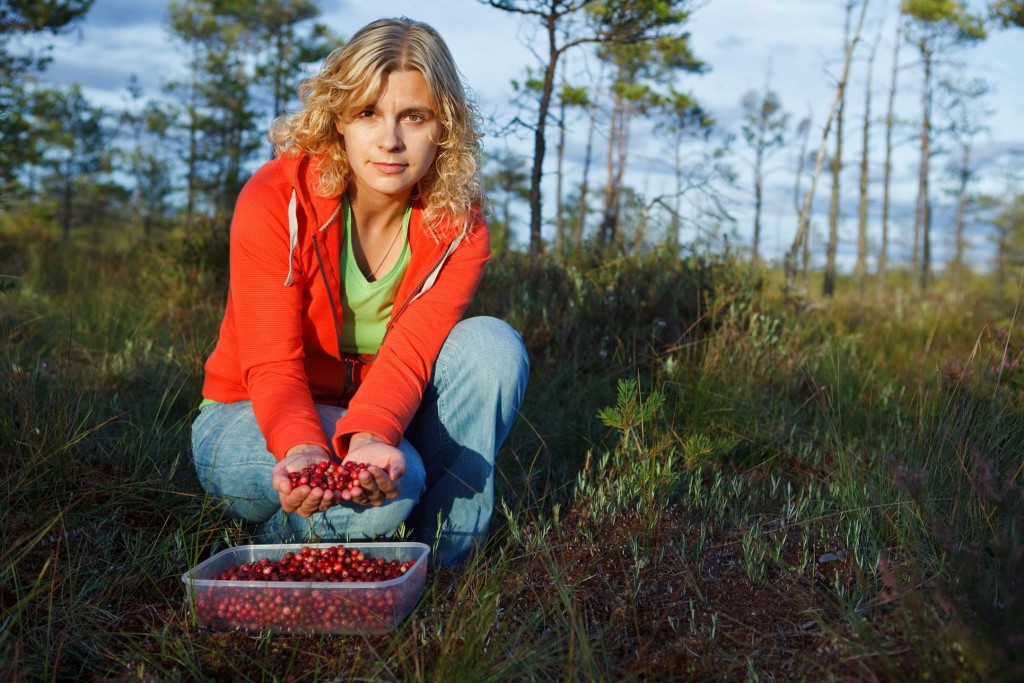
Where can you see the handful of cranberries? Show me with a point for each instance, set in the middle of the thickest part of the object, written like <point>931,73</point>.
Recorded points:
<point>329,476</point>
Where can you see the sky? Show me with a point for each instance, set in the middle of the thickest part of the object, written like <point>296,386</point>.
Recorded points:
<point>792,46</point>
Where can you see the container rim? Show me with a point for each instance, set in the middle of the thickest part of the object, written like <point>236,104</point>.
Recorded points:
<point>190,580</point>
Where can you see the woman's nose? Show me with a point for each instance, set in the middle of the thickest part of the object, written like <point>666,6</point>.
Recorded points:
<point>390,136</point>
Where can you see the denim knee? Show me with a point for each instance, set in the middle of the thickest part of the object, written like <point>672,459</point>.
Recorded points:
<point>492,346</point>
<point>231,460</point>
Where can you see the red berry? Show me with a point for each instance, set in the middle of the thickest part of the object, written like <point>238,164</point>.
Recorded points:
<point>329,476</point>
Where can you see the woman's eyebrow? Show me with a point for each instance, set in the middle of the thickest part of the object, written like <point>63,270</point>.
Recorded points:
<point>425,109</point>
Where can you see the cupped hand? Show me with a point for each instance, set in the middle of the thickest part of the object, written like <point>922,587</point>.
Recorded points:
<point>304,500</point>
<point>381,480</point>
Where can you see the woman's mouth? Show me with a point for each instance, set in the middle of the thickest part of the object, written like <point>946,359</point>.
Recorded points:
<point>388,168</point>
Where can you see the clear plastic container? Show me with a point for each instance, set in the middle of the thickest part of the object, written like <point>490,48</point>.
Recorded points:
<point>370,607</point>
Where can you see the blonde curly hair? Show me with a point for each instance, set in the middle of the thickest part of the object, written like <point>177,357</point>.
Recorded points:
<point>352,77</point>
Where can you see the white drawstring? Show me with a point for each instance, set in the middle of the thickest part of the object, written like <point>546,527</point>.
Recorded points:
<point>293,235</point>
<point>432,277</point>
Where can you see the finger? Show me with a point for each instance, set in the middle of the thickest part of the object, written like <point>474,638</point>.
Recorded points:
<point>396,471</point>
<point>312,502</point>
<point>368,480</point>
<point>360,496</point>
<point>281,483</point>
<point>297,501</point>
<point>291,501</point>
<point>328,501</point>
<point>383,482</point>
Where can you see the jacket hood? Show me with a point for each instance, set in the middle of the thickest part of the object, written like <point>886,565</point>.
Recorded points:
<point>302,173</point>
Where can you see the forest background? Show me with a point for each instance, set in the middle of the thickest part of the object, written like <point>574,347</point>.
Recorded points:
<point>789,330</point>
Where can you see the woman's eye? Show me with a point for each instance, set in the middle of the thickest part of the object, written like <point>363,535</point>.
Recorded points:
<point>365,114</point>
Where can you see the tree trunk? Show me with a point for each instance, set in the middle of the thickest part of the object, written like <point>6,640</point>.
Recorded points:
<point>622,151</point>
<point>861,268</point>
<point>883,249</point>
<point>801,162</point>
<point>1001,254</point>
<point>805,261</point>
<point>829,283</point>
<point>193,162</point>
<point>828,287</point>
<point>280,97</point>
<point>506,228</point>
<point>558,175</point>
<point>581,217</point>
<point>924,202</point>
<point>537,174</point>
<point>805,212</point>
<point>609,187</point>
<point>674,225</point>
<point>961,217</point>
<point>758,200</point>
<point>68,196</point>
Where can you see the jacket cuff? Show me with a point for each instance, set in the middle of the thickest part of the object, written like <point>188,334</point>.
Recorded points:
<point>283,439</point>
<point>383,428</point>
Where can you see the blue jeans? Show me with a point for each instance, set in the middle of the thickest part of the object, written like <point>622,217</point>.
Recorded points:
<point>447,494</point>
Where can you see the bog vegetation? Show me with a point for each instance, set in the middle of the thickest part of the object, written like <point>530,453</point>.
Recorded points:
<point>707,482</point>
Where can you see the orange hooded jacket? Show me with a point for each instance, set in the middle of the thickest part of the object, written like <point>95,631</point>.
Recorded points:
<point>279,339</point>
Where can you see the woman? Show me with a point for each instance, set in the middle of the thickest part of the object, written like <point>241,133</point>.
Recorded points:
<point>354,255</point>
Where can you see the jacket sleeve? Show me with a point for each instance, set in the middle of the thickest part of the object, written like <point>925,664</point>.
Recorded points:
<point>268,319</point>
<point>391,394</point>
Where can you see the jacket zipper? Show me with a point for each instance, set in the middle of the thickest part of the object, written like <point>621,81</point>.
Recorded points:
<point>327,286</point>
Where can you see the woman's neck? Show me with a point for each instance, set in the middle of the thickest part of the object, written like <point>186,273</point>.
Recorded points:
<point>374,233</point>
<point>376,214</point>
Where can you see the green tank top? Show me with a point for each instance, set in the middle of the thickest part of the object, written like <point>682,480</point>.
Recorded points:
<point>366,306</point>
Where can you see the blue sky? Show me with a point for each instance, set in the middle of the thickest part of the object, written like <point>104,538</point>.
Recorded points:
<point>796,44</point>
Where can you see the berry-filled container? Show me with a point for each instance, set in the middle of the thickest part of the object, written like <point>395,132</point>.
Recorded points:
<point>301,605</point>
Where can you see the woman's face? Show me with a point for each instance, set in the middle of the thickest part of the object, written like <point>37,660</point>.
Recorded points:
<point>391,143</point>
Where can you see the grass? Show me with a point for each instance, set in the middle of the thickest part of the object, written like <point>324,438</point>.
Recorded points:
<point>707,482</point>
